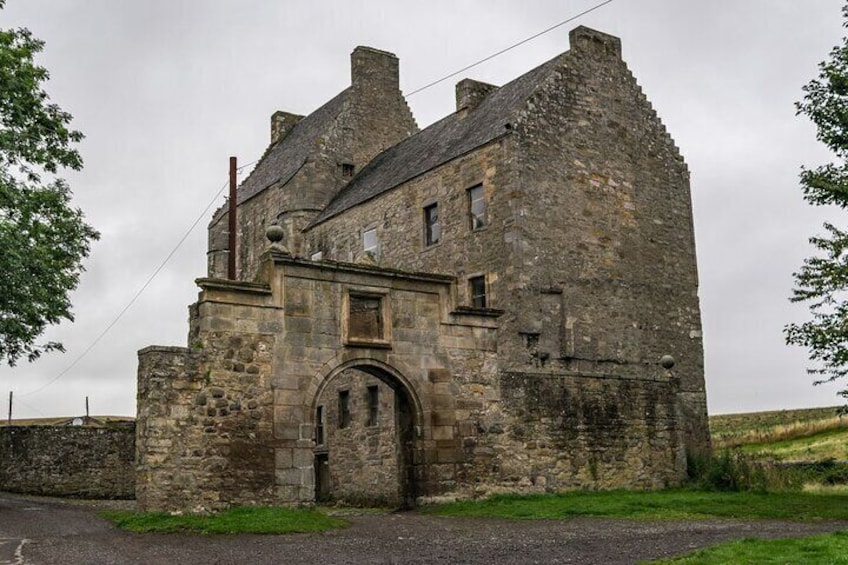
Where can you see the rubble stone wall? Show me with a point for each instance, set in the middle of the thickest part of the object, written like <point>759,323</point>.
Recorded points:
<point>72,461</point>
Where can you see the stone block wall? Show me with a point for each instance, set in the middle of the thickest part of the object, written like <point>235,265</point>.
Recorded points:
<point>205,414</point>
<point>71,461</point>
<point>398,217</point>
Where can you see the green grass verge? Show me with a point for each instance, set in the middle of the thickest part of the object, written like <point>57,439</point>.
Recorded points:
<point>669,504</point>
<point>831,549</point>
<point>241,520</point>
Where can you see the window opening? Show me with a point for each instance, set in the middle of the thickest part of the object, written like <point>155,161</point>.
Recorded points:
<point>476,207</point>
<point>477,291</point>
<point>432,226</point>
<point>373,405</point>
<point>347,170</point>
<point>319,426</point>
<point>344,408</point>
<point>370,244</point>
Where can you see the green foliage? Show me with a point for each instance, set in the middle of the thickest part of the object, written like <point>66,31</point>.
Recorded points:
<point>43,238</point>
<point>735,471</point>
<point>830,549</point>
<point>656,505</point>
<point>823,279</point>
<point>241,520</point>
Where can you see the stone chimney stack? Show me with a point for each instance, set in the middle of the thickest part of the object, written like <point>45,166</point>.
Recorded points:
<point>281,124</point>
<point>374,70</point>
<point>469,93</point>
<point>585,39</point>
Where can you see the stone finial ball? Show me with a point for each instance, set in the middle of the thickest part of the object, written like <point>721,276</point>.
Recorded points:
<point>667,361</point>
<point>275,233</point>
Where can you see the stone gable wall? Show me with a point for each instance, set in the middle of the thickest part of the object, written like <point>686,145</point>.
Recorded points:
<point>375,117</point>
<point>72,461</point>
<point>616,191</point>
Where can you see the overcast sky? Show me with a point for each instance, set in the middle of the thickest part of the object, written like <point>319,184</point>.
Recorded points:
<point>166,90</point>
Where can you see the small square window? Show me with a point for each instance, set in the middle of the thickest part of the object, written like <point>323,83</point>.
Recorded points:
<point>373,405</point>
<point>476,207</point>
<point>370,243</point>
<point>477,291</point>
<point>344,408</point>
<point>432,226</point>
<point>347,170</point>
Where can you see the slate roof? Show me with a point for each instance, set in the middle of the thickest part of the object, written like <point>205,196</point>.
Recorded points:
<point>439,143</point>
<point>282,160</point>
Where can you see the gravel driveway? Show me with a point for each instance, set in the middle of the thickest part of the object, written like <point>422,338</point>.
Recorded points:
<point>48,531</point>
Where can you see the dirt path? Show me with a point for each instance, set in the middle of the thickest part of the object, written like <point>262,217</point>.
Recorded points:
<point>43,531</point>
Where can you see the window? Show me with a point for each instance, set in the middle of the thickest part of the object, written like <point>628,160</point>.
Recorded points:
<point>476,207</point>
<point>370,244</point>
<point>344,408</point>
<point>373,405</point>
<point>432,227</point>
<point>477,291</point>
<point>319,426</point>
<point>317,256</point>
<point>347,170</point>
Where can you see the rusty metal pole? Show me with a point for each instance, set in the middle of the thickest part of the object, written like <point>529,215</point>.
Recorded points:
<point>231,244</point>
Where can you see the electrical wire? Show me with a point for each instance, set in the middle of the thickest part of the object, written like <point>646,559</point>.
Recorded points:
<point>138,292</point>
<point>513,46</point>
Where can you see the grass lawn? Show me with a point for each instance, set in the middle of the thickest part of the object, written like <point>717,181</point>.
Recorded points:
<point>241,520</point>
<point>831,549</point>
<point>669,504</point>
<point>828,444</point>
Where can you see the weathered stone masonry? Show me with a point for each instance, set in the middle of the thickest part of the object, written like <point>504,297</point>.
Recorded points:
<point>68,461</point>
<point>530,259</point>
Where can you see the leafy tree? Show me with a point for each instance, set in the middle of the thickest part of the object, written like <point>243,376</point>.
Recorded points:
<point>823,279</point>
<point>43,239</point>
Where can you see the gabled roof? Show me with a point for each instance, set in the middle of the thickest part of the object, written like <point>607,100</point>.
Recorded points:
<point>439,143</point>
<point>282,160</point>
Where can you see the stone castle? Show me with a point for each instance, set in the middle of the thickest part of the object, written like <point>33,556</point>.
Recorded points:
<point>505,300</point>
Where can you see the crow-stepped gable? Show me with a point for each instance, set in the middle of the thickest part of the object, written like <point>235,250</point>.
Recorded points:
<point>505,300</point>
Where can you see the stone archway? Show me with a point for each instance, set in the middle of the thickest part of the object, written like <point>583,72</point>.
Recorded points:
<point>366,419</point>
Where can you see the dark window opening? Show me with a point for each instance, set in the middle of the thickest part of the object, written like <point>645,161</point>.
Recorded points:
<point>373,405</point>
<point>432,227</point>
<point>477,291</point>
<point>347,170</point>
<point>476,207</point>
<point>319,426</point>
<point>344,408</point>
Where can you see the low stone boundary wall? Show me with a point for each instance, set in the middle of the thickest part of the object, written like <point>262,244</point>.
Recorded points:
<point>68,461</point>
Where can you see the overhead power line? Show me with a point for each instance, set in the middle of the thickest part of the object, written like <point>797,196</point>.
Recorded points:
<point>513,46</point>
<point>138,293</point>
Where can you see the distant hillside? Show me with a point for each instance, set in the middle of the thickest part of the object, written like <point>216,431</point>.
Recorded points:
<point>812,434</point>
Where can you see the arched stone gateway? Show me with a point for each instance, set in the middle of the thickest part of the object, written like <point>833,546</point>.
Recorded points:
<point>367,436</point>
